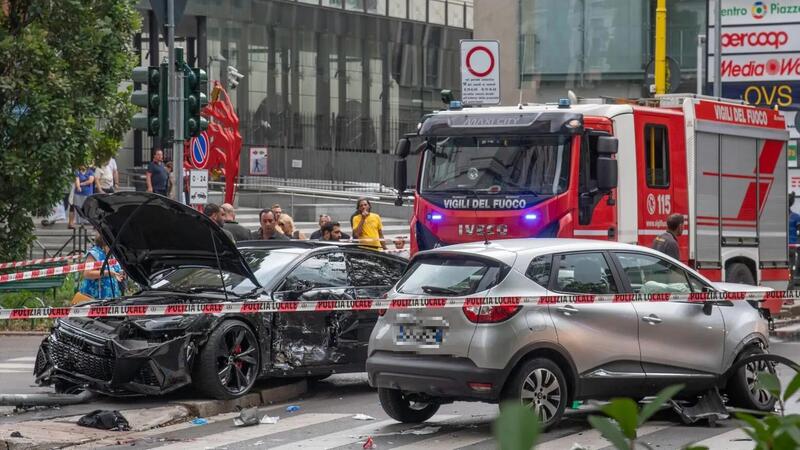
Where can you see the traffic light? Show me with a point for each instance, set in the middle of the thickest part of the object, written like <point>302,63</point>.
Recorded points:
<point>154,100</point>
<point>196,84</point>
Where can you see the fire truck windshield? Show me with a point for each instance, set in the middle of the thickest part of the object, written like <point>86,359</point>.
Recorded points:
<point>533,165</point>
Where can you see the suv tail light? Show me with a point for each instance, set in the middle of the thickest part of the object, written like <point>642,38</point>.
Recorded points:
<point>490,314</point>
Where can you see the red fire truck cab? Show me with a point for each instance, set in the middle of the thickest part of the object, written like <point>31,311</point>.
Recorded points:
<point>610,171</point>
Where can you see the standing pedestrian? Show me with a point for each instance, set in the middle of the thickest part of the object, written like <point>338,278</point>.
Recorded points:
<point>667,242</point>
<point>170,179</point>
<point>156,174</point>
<point>323,219</point>
<point>107,177</point>
<point>400,247</point>
<point>287,226</point>
<point>214,212</point>
<point>239,232</point>
<point>269,227</point>
<point>107,284</point>
<point>367,226</point>
<point>84,187</point>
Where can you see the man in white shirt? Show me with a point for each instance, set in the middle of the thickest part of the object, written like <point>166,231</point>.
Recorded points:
<point>107,177</point>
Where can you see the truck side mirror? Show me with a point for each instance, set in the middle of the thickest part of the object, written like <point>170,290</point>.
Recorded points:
<point>403,148</point>
<point>400,179</point>
<point>607,145</point>
<point>606,173</point>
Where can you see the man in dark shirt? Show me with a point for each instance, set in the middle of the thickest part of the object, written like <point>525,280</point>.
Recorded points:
<point>268,230</point>
<point>331,231</point>
<point>323,219</point>
<point>214,212</point>
<point>157,175</point>
<point>239,232</point>
<point>667,243</point>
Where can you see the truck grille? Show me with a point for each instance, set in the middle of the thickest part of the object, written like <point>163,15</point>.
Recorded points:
<point>72,353</point>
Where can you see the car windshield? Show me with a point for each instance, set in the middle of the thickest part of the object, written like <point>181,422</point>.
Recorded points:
<point>511,165</point>
<point>450,276</point>
<point>265,263</point>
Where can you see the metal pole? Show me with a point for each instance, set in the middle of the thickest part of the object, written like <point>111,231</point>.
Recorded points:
<point>177,149</point>
<point>701,40</point>
<point>717,48</point>
<point>661,47</point>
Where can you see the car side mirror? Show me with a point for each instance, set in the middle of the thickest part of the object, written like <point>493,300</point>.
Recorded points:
<point>607,145</point>
<point>400,179</point>
<point>606,173</point>
<point>403,148</point>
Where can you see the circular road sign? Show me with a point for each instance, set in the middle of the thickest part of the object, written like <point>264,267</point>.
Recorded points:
<point>199,151</point>
<point>480,61</point>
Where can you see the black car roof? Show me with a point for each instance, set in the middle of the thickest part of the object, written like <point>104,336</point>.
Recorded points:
<point>312,245</point>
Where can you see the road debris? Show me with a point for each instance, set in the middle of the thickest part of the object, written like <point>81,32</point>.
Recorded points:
<point>363,417</point>
<point>200,421</point>
<point>292,408</point>
<point>369,443</point>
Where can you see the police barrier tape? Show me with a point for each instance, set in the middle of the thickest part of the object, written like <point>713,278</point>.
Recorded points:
<point>33,262</point>
<point>51,271</point>
<point>271,306</point>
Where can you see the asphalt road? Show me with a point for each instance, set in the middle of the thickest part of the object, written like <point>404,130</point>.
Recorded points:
<point>326,418</point>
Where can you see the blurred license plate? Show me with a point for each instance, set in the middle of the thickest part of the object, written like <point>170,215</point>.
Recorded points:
<point>419,335</point>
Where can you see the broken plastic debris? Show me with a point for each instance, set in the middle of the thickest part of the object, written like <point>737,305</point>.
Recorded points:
<point>200,421</point>
<point>247,417</point>
<point>269,420</point>
<point>422,431</point>
<point>258,443</point>
<point>369,443</point>
<point>16,434</point>
<point>363,417</point>
<point>292,408</point>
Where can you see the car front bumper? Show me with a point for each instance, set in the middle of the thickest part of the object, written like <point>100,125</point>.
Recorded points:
<point>435,376</point>
<point>114,367</point>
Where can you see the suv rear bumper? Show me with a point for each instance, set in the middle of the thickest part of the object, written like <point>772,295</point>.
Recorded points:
<point>436,376</point>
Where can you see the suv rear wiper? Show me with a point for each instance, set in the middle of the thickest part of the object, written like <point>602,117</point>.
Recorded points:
<point>435,290</point>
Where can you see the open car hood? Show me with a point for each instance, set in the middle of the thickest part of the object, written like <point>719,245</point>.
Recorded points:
<point>153,233</point>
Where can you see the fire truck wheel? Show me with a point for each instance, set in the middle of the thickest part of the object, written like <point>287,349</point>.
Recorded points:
<point>739,273</point>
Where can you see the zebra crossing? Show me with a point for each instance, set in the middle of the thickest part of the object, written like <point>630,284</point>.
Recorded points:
<point>17,365</point>
<point>338,430</point>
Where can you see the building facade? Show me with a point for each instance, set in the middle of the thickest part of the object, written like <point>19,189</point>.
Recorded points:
<point>592,47</point>
<point>327,82</point>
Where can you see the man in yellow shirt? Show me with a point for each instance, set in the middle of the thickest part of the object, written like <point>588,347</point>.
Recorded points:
<point>367,226</point>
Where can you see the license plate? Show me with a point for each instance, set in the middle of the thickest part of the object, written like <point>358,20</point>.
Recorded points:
<point>419,335</point>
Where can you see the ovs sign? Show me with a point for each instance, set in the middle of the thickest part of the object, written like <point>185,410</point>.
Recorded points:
<point>782,94</point>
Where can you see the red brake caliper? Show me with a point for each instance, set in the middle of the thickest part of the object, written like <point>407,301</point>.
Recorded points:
<point>236,351</point>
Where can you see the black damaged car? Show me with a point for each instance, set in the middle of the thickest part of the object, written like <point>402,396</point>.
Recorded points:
<point>177,255</point>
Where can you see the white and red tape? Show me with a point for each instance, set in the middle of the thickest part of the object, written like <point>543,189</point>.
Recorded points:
<point>776,298</point>
<point>51,271</point>
<point>33,262</point>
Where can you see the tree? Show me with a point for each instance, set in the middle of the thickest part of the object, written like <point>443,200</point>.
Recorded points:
<point>61,66</point>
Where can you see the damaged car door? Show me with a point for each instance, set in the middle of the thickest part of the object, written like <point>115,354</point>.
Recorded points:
<point>304,340</point>
<point>371,275</point>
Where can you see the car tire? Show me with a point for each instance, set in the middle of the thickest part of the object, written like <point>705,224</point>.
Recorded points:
<point>399,408</point>
<point>739,273</point>
<point>229,363</point>
<point>539,384</point>
<point>741,388</point>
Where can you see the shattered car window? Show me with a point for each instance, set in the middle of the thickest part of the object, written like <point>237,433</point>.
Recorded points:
<point>320,271</point>
<point>369,270</point>
<point>266,265</point>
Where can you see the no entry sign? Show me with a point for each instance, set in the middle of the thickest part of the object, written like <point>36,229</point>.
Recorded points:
<point>480,72</point>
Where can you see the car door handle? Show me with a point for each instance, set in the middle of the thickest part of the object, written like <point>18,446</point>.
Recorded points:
<point>651,319</point>
<point>567,309</point>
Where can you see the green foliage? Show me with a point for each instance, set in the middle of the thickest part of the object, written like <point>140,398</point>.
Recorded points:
<point>627,418</point>
<point>61,65</point>
<point>774,432</point>
<point>517,428</point>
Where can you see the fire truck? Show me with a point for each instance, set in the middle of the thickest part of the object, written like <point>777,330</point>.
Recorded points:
<point>612,171</point>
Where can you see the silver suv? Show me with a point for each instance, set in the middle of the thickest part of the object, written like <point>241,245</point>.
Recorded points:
<point>548,356</point>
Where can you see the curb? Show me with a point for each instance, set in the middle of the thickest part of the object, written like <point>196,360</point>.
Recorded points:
<point>179,411</point>
<point>277,394</point>
<point>23,333</point>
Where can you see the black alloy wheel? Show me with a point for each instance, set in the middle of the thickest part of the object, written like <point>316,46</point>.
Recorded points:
<point>743,389</point>
<point>229,363</point>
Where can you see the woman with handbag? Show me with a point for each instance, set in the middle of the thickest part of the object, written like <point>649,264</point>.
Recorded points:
<point>95,286</point>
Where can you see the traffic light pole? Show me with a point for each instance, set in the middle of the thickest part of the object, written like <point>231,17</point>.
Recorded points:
<point>175,121</point>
